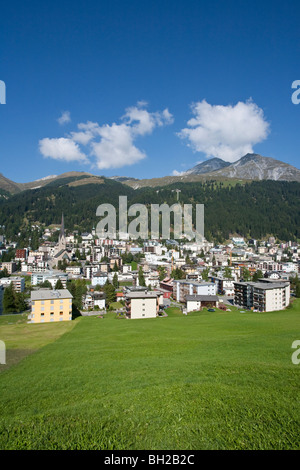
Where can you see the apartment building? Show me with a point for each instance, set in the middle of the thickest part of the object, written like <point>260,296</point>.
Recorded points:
<point>264,296</point>
<point>182,288</point>
<point>243,294</point>
<point>99,278</point>
<point>51,276</point>
<point>21,255</point>
<point>11,266</point>
<point>141,304</point>
<point>94,299</point>
<point>17,282</point>
<point>50,306</point>
<point>74,270</point>
<point>268,297</point>
<point>224,286</point>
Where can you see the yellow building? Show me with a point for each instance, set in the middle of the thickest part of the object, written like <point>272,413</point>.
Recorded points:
<point>50,305</point>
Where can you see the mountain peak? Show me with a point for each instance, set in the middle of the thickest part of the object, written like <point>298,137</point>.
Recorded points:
<point>213,164</point>
<point>251,166</point>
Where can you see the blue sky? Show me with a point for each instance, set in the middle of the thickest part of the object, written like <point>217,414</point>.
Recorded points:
<point>147,88</point>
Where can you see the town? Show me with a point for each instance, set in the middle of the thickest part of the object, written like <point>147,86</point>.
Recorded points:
<point>82,274</point>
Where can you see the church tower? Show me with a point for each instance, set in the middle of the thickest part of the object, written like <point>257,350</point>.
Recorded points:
<point>62,245</point>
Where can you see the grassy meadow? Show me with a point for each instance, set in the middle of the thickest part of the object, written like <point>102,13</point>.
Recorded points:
<point>208,380</point>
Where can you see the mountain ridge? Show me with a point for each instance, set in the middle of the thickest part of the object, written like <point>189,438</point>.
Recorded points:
<point>249,167</point>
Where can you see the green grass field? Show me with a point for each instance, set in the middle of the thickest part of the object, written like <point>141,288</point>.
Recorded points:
<point>209,380</point>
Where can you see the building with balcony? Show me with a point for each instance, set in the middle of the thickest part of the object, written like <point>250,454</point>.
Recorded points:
<point>182,288</point>
<point>141,304</point>
<point>263,296</point>
<point>18,282</point>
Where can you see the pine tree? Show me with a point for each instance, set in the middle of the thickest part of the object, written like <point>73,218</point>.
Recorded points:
<point>59,285</point>
<point>115,281</point>
<point>257,275</point>
<point>110,293</point>
<point>141,277</point>
<point>9,300</point>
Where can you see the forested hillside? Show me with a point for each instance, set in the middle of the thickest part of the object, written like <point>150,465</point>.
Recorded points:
<point>254,209</point>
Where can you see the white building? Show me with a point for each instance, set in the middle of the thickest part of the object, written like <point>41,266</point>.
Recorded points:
<point>196,302</point>
<point>17,282</point>
<point>266,295</point>
<point>142,304</point>
<point>99,278</point>
<point>94,299</point>
<point>51,276</point>
<point>182,288</point>
<point>74,270</point>
<point>225,286</point>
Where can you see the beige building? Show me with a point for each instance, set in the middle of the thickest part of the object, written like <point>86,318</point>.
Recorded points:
<point>142,304</point>
<point>50,306</point>
<point>269,297</point>
<point>11,266</point>
<point>263,296</point>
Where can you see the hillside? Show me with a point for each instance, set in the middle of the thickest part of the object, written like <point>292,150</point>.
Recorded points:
<point>255,209</point>
<point>207,380</point>
<point>8,185</point>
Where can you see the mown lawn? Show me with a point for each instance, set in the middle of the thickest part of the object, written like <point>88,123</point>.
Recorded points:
<point>213,380</point>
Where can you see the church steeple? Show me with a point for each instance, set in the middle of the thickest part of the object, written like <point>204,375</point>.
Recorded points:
<point>62,238</point>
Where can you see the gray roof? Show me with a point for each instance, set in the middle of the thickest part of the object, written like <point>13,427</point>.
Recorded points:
<point>47,294</point>
<point>142,295</point>
<point>202,298</point>
<point>61,252</point>
<point>196,283</point>
<point>267,285</point>
<point>263,284</point>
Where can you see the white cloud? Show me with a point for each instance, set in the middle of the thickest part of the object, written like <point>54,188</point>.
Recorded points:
<point>108,146</point>
<point>142,122</point>
<point>227,132</point>
<point>64,118</point>
<point>177,173</point>
<point>61,149</point>
<point>115,148</point>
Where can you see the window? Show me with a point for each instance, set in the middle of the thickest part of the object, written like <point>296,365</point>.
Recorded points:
<point>61,313</point>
